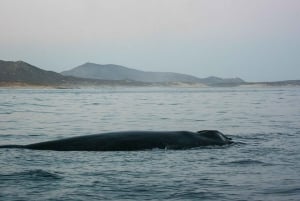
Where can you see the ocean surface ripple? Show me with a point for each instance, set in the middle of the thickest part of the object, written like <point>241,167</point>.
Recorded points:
<point>263,164</point>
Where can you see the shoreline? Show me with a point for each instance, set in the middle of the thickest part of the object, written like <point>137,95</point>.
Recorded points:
<point>18,85</point>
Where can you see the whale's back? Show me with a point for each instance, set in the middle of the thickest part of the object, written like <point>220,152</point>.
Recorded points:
<point>119,141</point>
<point>132,140</point>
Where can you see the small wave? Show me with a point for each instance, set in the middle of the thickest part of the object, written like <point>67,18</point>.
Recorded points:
<point>199,120</point>
<point>264,135</point>
<point>37,174</point>
<point>248,162</point>
<point>210,147</point>
<point>238,143</point>
<point>287,191</point>
<point>6,112</point>
<point>196,120</point>
<point>35,134</point>
<point>250,137</point>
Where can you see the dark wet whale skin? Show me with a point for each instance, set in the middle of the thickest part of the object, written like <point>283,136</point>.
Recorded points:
<point>132,140</point>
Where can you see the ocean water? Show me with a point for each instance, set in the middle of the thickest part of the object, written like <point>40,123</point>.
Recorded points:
<point>263,164</point>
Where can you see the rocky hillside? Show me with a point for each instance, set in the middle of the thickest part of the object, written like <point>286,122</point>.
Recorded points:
<point>22,72</point>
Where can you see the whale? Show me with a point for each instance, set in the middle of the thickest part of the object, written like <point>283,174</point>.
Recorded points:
<point>132,141</point>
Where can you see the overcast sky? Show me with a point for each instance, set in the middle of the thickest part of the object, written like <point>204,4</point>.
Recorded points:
<point>257,40</point>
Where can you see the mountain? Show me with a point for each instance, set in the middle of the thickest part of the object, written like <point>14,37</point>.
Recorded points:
<point>21,72</point>
<point>116,72</point>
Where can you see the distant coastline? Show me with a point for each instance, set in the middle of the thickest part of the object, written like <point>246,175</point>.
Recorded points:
<point>20,74</point>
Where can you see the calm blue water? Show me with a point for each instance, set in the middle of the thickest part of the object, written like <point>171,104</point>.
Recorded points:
<point>263,165</point>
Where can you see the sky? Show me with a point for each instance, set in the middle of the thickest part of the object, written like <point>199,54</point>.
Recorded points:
<point>256,40</point>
